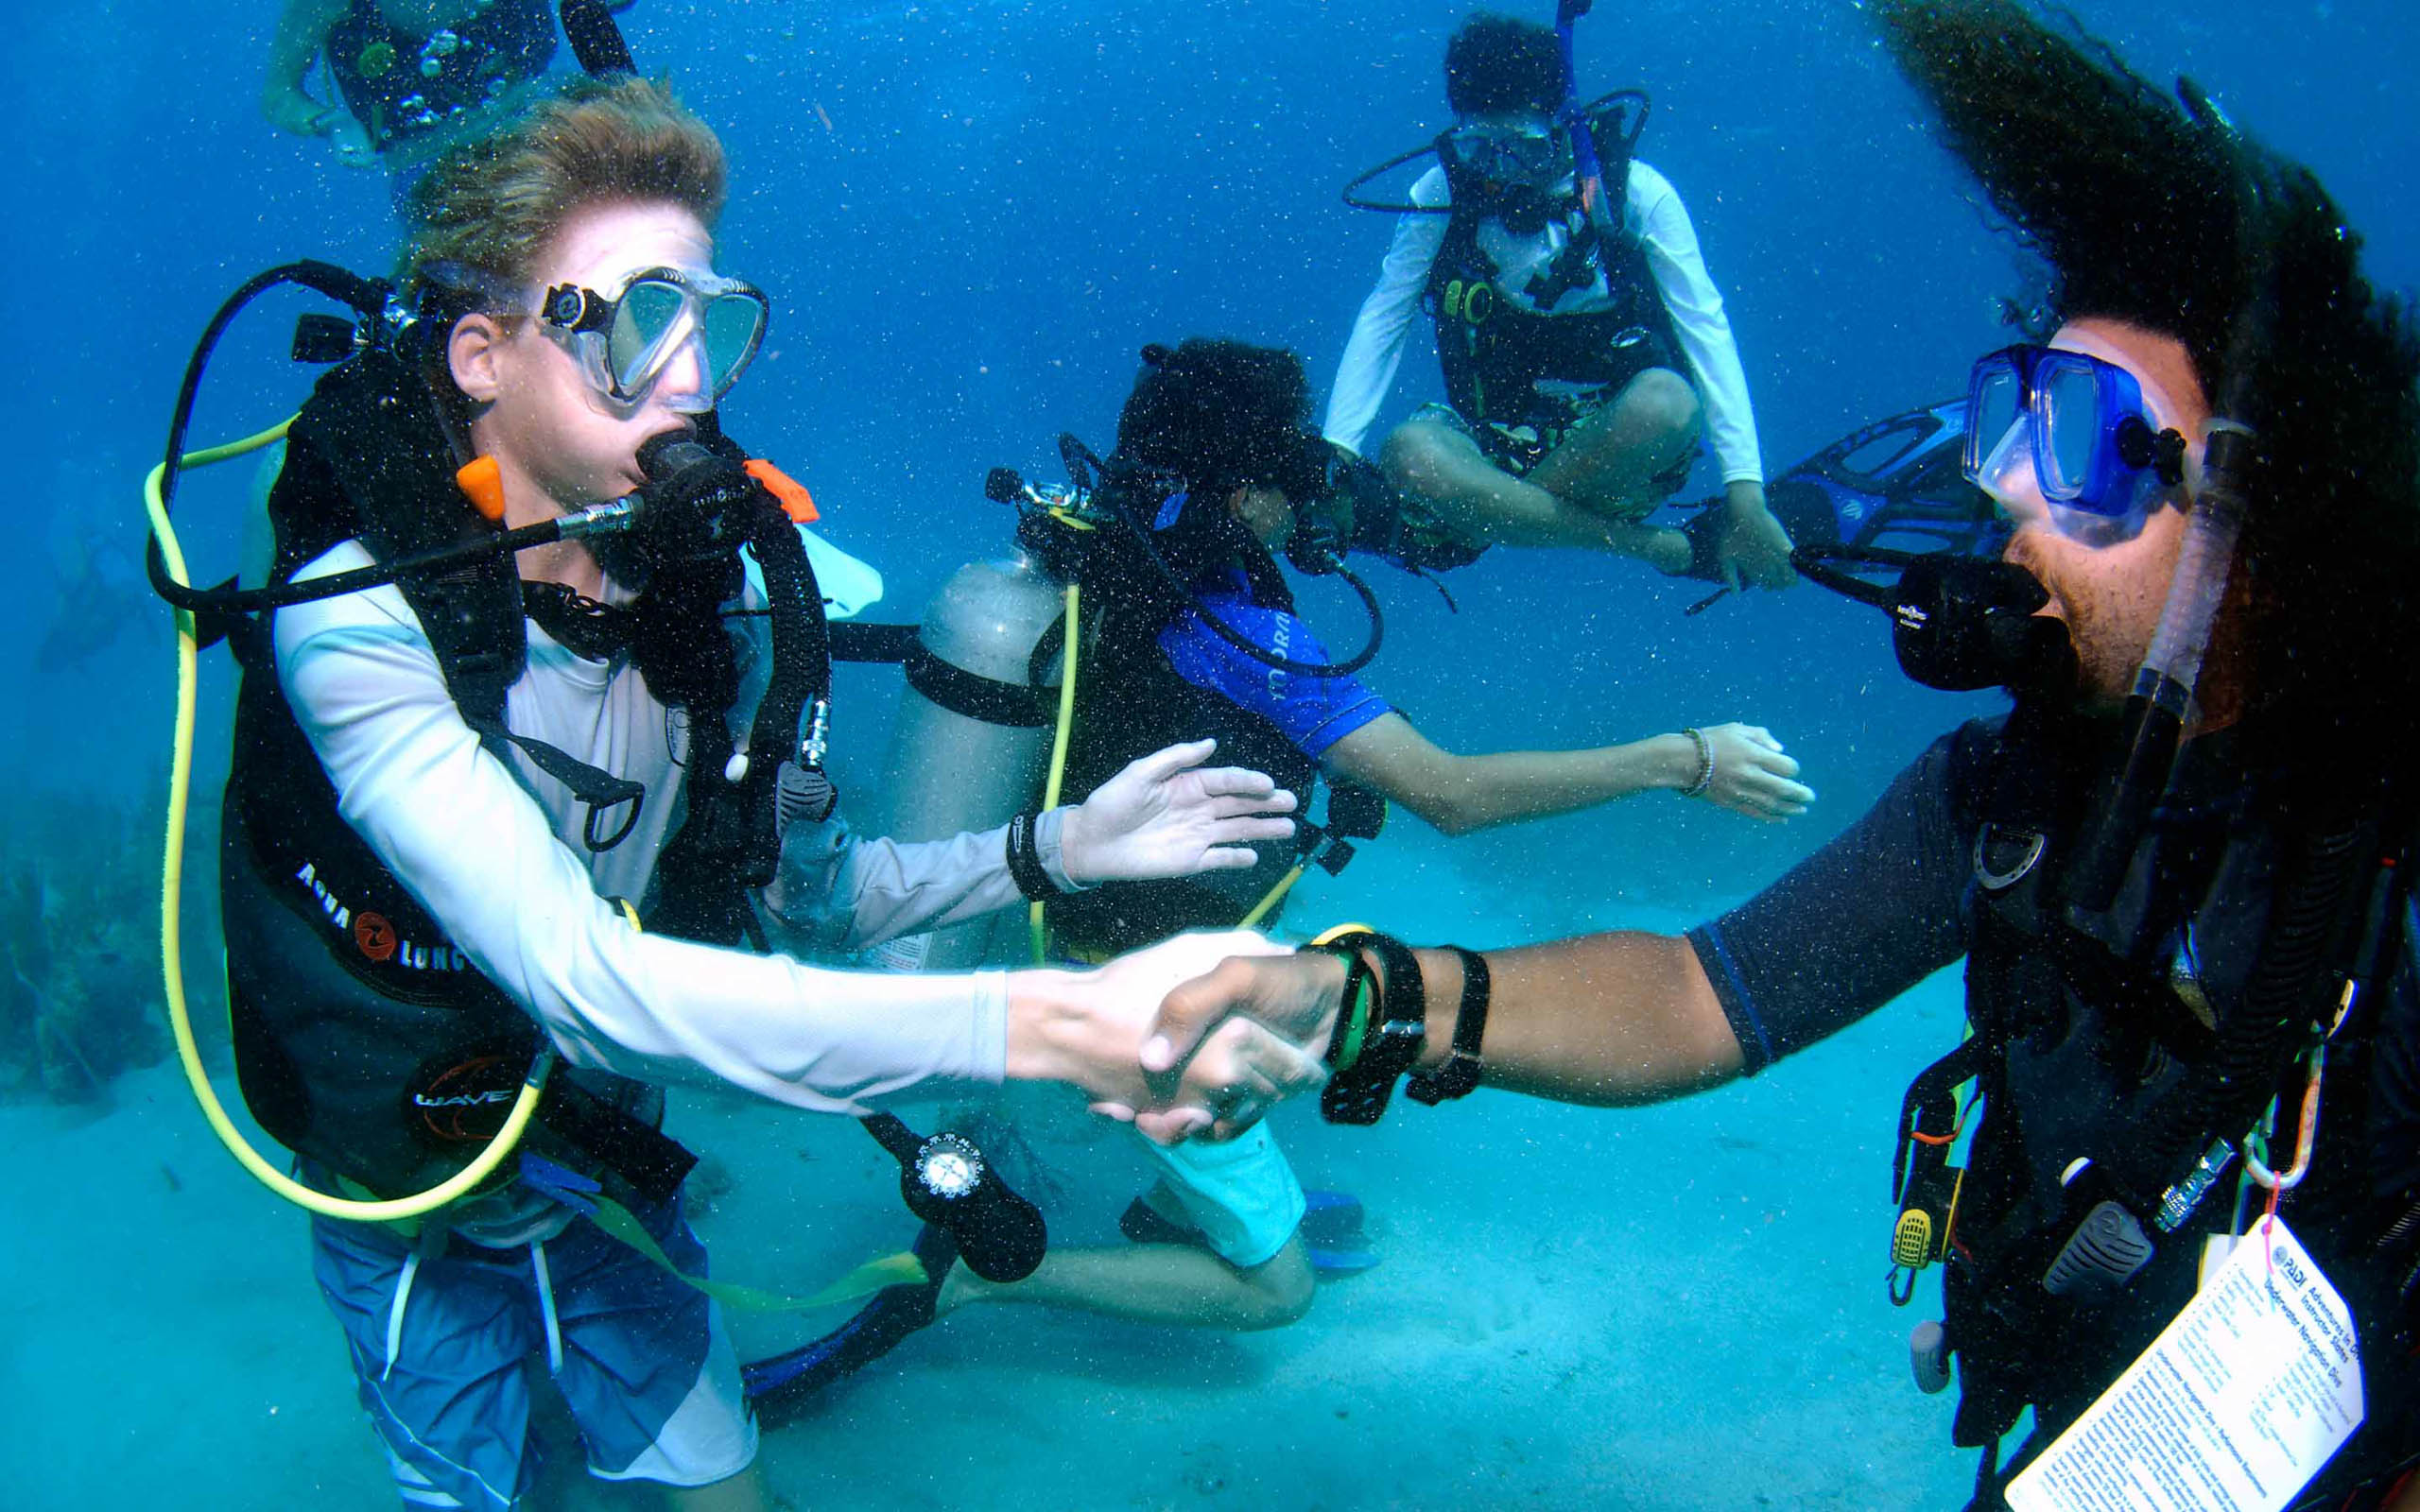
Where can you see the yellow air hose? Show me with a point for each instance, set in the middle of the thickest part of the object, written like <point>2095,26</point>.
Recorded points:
<point>171,947</point>
<point>1035,922</point>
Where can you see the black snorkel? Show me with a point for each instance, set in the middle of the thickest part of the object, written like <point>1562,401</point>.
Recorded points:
<point>596,38</point>
<point>2162,698</point>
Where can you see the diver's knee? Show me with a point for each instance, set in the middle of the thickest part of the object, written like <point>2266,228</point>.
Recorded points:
<point>1414,455</point>
<point>1662,404</point>
<point>1282,1286</point>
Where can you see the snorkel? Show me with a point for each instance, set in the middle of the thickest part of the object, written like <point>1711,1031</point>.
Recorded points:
<point>1574,119</point>
<point>2162,698</point>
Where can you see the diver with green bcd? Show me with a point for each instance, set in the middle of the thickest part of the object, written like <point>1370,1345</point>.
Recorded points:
<point>530,735</point>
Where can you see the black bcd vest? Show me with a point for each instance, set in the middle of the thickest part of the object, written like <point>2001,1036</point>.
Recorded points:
<point>365,1040</point>
<point>1494,352</point>
<point>2109,1052</point>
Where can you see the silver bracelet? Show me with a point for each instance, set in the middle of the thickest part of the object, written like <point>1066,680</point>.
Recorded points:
<point>1705,763</point>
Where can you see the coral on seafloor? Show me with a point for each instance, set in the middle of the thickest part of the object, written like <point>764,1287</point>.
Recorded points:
<point>79,979</point>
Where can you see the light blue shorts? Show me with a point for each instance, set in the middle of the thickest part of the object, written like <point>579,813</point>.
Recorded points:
<point>1243,1195</point>
<point>446,1342</point>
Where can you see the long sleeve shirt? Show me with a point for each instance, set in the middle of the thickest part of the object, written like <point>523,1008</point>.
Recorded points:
<point>1653,211</point>
<point>491,850</point>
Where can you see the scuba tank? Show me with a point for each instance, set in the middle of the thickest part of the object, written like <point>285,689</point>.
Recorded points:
<point>973,730</point>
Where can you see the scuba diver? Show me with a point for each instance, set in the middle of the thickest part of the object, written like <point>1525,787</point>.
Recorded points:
<point>1585,347</point>
<point>2180,1145</point>
<point>1188,628</point>
<point>412,76</point>
<point>546,664</point>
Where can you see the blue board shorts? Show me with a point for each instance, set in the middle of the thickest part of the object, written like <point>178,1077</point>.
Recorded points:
<point>1243,1195</point>
<point>642,1359</point>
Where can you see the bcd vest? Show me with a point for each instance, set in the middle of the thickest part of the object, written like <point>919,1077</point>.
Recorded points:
<point>2111,1052</point>
<point>1137,705</point>
<point>1494,352</point>
<point>365,1040</point>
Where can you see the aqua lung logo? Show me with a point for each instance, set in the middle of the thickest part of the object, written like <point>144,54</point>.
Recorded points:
<point>374,937</point>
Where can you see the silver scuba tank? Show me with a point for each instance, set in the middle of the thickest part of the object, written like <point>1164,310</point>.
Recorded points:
<point>973,735</point>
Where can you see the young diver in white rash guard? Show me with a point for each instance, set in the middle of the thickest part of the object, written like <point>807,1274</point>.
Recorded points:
<point>420,869</point>
<point>1580,366</point>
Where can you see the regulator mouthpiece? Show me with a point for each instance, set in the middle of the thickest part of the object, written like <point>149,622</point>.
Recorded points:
<point>1958,622</point>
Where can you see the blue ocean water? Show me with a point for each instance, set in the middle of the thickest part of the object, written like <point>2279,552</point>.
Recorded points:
<point>970,217</point>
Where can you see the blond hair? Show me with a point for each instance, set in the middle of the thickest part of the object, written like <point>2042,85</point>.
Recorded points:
<point>492,207</point>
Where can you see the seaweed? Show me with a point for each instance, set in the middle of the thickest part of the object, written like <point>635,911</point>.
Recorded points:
<point>81,1000</point>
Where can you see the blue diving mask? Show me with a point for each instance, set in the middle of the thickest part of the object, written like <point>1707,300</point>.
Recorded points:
<point>627,343</point>
<point>2081,426</point>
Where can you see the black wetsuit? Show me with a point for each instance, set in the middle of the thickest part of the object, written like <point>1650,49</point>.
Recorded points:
<point>1896,898</point>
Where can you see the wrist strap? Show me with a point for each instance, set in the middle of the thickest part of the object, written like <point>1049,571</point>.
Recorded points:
<point>1459,1076</point>
<point>1360,1086</point>
<point>1024,860</point>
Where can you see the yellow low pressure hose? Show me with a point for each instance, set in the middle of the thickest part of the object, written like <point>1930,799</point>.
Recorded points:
<point>171,899</point>
<point>1035,922</point>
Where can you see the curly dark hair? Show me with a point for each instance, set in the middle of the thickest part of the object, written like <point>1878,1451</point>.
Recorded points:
<point>2150,215</point>
<point>1219,414</point>
<point>1495,63</point>
<point>1205,417</point>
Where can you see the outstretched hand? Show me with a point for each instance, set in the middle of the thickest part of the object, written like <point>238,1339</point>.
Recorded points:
<point>1752,775</point>
<point>1168,815</point>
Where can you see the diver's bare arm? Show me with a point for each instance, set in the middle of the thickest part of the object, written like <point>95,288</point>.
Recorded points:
<point>1605,1020</point>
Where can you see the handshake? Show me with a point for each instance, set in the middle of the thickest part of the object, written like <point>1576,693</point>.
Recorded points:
<point>1197,1037</point>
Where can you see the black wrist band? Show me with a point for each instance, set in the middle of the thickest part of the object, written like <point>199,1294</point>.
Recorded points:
<point>1397,1028</point>
<point>1024,860</point>
<point>1459,1076</point>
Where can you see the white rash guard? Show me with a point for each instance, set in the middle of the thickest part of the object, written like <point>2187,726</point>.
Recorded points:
<point>1653,211</point>
<point>494,853</point>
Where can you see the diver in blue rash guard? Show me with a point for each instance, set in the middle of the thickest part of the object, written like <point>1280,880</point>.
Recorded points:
<point>1216,471</point>
<point>1218,465</point>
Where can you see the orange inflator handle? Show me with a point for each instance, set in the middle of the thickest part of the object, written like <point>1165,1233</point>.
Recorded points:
<point>482,482</point>
<point>795,500</point>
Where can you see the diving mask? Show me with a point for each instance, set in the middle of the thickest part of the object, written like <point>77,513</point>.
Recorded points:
<point>1502,155</point>
<point>2081,426</point>
<point>629,344</point>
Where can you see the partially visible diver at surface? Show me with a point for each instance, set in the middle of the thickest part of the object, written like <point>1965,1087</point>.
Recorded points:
<point>411,77</point>
<point>1585,347</point>
<point>456,794</point>
<point>2177,871</point>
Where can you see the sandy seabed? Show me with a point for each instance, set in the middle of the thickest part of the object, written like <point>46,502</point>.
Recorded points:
<point>1676,1308</point>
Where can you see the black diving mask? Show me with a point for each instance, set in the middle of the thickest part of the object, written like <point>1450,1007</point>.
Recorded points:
<point>1507,171</point>
<point>1958,622</point>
